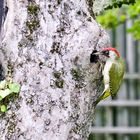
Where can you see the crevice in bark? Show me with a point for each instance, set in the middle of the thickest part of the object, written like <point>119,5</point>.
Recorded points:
<point>32,24</point>
<point>2,73</point>
<point>90,8</point>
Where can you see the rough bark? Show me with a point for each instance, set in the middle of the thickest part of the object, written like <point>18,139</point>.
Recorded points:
<point>46,47</point>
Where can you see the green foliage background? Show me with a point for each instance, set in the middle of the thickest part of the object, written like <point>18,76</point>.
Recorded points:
<point>114,16</point>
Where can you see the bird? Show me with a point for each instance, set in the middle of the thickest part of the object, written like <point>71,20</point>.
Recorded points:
<point>112,72</point>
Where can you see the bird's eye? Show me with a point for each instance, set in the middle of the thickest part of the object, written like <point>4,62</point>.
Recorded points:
<point>106,53</point>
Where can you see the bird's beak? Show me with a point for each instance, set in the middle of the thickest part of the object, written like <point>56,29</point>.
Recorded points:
<point>98,53</point>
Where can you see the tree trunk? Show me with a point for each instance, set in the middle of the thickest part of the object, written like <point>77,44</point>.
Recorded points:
<point>46,47</point>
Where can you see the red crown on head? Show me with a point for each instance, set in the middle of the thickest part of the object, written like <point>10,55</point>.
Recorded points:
<point>112,49</point>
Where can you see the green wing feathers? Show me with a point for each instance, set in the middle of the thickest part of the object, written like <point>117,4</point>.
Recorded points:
<point>116,76</point>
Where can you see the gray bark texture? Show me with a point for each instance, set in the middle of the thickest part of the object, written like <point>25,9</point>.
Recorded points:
<point>46,47</point>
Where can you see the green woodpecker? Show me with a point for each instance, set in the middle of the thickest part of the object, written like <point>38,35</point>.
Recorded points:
<point>113,72</point>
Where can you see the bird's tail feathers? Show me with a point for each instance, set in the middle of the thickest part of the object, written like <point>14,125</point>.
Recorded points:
<point>103,96</point>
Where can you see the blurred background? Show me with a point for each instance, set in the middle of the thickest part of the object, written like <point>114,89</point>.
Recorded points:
<point>120,119</point>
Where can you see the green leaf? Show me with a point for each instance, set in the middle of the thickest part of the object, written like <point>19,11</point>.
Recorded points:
<point>3,108</point>
<point>4,93</point>
<point>116,16</point>
<point>109,19</point>
<point>14,87</point>
<point>0,98</point>
<point>123,18</point>
<point>135,29</point>
<point>3,84</point>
